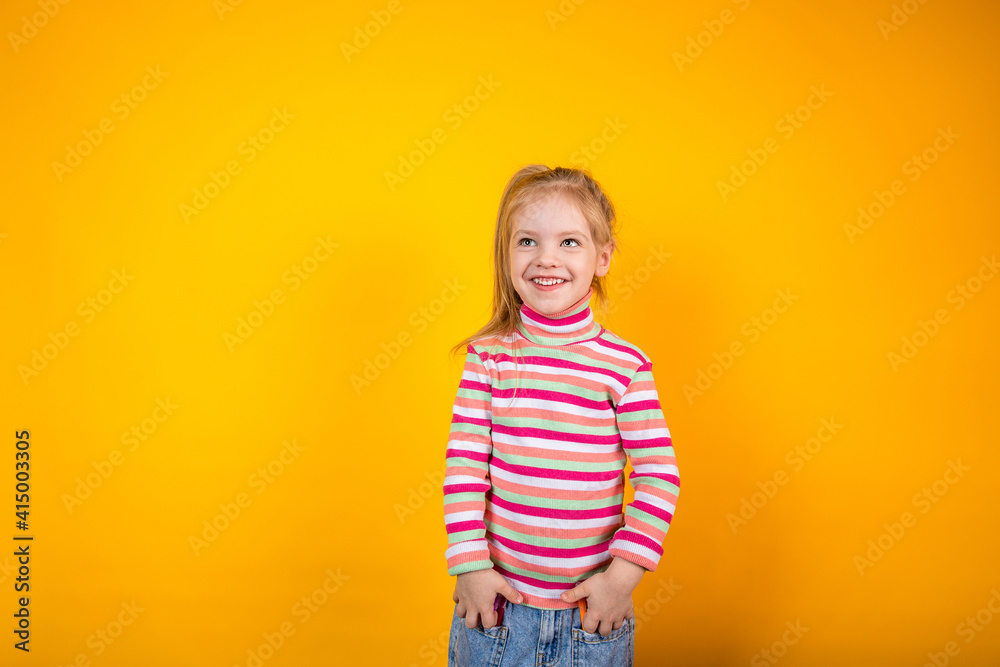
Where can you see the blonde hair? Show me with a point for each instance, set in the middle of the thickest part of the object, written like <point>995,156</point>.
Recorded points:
<point>531,184</point>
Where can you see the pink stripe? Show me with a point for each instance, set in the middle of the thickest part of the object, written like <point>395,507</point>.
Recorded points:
<point>640,539</point>
<point>550,362</point>
<point>638,448</point>
<point>632,556</point>
<point>555,397</point>
<point>604,342</point>
<point>475,385</point>
<point>531,581</point>
<point>459,419</point>
<point>549,473</point>
<point>466,488</point>
<point>467,454</point>
<point>607,457</point>
<point>558,436</point>
<point>462,526</point>
<point>653,510</point>
<point>638,406</point>
<point>512,526</point>
<point>640,443</point>
<point>554,513</point>
<point>573,573</point>
<point>639,476</point>
<point>539,492</point>
<point>554,552</point>
<point>560,322</point>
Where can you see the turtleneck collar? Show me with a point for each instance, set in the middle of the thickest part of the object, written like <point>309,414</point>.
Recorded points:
<point>572,325</point>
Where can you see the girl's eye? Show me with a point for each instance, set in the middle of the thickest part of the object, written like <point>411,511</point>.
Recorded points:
<point>574,241</point>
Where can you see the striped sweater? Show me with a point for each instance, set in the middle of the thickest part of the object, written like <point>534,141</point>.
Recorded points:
<point>534,481</point>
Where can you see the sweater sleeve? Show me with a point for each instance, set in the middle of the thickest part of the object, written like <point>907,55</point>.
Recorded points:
<point>654,477</point>
<point>466,478</point>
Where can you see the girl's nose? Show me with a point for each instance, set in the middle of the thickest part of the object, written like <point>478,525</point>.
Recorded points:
<point>547,256</point>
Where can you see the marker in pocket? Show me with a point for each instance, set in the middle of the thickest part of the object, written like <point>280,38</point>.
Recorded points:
<point>499,604</point>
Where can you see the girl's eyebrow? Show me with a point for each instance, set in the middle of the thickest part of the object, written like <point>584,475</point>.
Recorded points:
<point>569,232</point>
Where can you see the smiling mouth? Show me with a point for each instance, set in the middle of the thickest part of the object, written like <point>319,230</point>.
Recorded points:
<point>547,281</point>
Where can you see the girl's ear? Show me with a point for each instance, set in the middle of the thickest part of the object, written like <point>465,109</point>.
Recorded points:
<point>604,260</point>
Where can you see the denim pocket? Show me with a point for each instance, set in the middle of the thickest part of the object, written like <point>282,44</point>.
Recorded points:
<point>615,650</point>
<point>477,646</point>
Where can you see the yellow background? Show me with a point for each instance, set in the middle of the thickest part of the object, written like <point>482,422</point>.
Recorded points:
<point>373,449</point>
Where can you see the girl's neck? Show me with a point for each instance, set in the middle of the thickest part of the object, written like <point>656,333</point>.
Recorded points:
<point>572,325</point>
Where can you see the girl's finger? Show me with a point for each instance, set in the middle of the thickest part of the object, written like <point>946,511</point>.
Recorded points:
<point>576,593</point>
<point>508,592</point>
<point>489,616</point>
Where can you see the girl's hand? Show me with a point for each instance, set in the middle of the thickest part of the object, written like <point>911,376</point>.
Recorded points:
<point>475,593</point>
<point>609,596</point>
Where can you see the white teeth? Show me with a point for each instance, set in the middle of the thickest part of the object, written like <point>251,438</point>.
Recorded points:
<point>547,281</point>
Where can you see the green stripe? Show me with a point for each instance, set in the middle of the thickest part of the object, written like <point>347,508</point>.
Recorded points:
<point>559,503</point>
<point>556,578</point>
<point>548,540</point>
<point>471,566</point>
<point>462,536</point>
<point>560,464</point>
<point>637,513</point>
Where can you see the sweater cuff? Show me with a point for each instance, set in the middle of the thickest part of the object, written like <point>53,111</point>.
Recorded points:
<point>468,556</point>
<point>636,548</point>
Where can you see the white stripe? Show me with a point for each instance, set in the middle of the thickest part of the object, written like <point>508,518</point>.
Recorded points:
<point>653,499</point>
<point>632,547</point>
<point>547,483</point>
<point>457,441</point>
<point>633,358</point>
<point>547,593</point>
<point>550,522</point>
<point>645,434</point>
<point>644,395</point>
<point>458,517</point>
<point>478,544</point>
<point>556,445</point>
<point>475,376</point>
<point>581,326</point>
<point>471,413</point>
<point>548,561</point>
<point>646,468</point>
<point>465,479</point>
<point>656,501</point>
<point>555,406</point>
<point>595,375</point>
<point>620,355</point>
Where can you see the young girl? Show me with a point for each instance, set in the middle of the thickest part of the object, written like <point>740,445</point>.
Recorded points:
<point>549,405</point>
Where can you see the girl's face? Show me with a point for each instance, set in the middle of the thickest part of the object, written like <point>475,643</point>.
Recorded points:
<point>552,240</point>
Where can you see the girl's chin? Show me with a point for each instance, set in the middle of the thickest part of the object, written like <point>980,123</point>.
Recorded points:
<point>548,304</point>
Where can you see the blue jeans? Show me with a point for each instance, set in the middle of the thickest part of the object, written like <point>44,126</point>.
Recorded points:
<point>533,637</point>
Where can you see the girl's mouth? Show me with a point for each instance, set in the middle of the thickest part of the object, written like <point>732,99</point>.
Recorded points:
<point>547,284</point>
